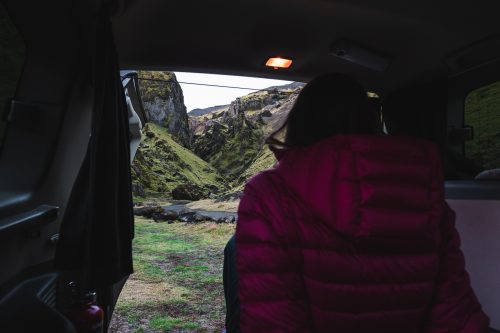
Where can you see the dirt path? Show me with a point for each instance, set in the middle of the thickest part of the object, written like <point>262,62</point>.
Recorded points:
<point>177,286</point>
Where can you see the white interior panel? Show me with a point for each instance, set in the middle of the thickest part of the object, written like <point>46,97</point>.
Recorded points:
<point>478,222</point>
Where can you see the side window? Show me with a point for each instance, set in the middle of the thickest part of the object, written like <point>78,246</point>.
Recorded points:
<point>482,112</point>
<point>12,54</point>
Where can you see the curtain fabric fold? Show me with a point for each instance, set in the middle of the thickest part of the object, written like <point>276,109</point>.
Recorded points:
<point>98,227</point>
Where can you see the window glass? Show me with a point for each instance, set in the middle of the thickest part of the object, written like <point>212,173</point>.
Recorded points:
<point>12,53</point>
<point>482,112</point>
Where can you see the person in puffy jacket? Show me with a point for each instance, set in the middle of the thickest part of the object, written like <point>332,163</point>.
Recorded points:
<point>350,232</point>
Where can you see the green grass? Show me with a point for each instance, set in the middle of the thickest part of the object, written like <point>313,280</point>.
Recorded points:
<point>166,324</point>
<point>177,284</point>
<point>482,111</point>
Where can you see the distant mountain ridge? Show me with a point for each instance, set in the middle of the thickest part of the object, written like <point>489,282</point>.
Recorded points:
<point>290,86</point>
<point>200,112</point>
<point>204,111</point>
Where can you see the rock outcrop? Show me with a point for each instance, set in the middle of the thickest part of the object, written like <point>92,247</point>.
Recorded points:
<point>255,102</point>
<point>233,140</point>
<point>211,141</point>
<point>163,103</point>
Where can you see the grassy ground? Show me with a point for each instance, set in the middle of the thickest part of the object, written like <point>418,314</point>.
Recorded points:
<point>177,284</point>
<point>215,205</point>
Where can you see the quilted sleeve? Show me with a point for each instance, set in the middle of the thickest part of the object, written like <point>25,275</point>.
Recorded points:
<point>270,286</point>
<point>455,308</point>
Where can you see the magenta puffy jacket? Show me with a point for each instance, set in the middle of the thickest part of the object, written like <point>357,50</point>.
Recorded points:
<point>352,235</point>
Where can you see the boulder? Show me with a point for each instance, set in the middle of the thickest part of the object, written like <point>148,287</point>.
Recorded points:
<point>148,211</point>
<point>165,215</point>
<point>227,219</point>
<point>188,192</point>
<point>170,215</point>
<point>193,217</point>
<point>186,216</point>
<point>201,218</point>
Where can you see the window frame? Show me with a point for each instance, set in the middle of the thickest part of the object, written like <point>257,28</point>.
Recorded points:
<point>460,85</point>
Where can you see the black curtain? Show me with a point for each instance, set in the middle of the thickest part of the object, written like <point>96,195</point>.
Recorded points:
<point>98,226</point>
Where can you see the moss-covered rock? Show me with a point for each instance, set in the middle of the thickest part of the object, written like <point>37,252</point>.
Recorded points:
<point>210,141</point>
<point>163,102</point>
<point>255,101</point>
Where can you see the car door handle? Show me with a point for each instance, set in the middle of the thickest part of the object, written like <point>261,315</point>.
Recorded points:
<point>34,219</point>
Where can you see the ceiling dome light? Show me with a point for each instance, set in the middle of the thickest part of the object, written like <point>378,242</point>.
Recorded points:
<point>278,62</point>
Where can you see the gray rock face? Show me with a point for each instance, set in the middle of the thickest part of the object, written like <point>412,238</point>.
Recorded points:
<point>255,101</point>
<point>211,141</point>
<point>164,104</point>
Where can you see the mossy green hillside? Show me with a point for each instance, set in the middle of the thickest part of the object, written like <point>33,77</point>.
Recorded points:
<point>265,160</point>
<point>161,164</point>
<point>241,147</point>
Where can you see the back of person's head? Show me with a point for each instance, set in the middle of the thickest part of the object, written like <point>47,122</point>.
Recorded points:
<point>328,105</point>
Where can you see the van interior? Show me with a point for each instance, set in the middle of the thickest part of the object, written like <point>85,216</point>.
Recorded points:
<point>434,65</point>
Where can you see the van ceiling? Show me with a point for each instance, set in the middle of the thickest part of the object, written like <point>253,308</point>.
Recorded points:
<point>236,37</point>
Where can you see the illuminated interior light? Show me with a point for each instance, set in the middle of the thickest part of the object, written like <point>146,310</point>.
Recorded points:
<point>279,62</point>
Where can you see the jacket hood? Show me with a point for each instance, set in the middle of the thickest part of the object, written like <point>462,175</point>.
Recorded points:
<point>376,187</point>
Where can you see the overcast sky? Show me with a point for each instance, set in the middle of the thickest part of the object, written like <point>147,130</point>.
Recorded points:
<point>203,96</point>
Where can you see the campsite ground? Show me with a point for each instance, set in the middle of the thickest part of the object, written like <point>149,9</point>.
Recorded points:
<point>177,284</point>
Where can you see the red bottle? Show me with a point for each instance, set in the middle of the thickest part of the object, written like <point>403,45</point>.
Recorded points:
<point>86,315</point>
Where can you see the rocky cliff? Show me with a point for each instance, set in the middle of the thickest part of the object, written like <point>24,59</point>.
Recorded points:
<point>213,154</point>
<point>164,104</point>
<point>255,102</point>
<point>232,140</point>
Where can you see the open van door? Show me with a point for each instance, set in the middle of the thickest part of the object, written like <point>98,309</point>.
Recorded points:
<point>36,169</point>
<point>64,125</point>
<point>474,140</point>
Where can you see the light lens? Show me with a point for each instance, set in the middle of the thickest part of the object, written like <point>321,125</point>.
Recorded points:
<point>279,62</point>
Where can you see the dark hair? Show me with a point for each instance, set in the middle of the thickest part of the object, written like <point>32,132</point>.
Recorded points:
<point>328,105</point>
